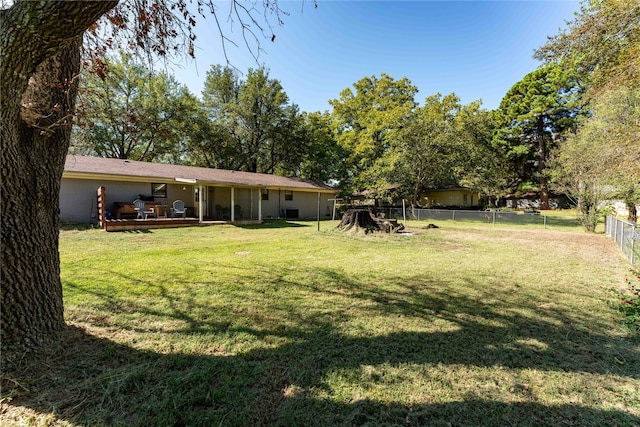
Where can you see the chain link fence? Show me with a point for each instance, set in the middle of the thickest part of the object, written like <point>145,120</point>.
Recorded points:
<point>487,217</point>
<point>626,235</point>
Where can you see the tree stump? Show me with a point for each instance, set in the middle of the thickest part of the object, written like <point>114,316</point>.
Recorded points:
<point>366,220</point>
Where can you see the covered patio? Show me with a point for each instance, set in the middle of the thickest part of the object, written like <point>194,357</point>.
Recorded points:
<point>165,221</point>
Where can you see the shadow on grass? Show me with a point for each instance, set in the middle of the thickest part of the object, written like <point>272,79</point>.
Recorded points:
<point>94,381</point>
<point>274,223</point>
<point>76,226</point>
<point>90,380</point>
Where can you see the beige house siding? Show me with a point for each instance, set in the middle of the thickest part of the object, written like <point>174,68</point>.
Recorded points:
<point>78,196</point>
<point>457,197</point>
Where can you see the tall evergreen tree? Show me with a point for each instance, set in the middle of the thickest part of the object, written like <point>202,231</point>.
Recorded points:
<point>532,117</point>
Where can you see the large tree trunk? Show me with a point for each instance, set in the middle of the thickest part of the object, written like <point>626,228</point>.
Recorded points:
<point>40,43</point>
<point>633,211</point>
<point>364,219</point>
<point>31,173</point>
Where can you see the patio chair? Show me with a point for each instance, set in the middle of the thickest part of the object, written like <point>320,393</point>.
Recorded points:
<point>178,209</point>
<point>143,211</point>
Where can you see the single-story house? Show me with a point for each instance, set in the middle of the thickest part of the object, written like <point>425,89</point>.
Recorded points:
<point>450,197</point>
<point>209,194</point>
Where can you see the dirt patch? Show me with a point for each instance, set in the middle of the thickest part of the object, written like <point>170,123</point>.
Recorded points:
<point>591,247</point>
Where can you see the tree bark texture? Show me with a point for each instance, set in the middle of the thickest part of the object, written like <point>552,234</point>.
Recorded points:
<point>40,43</point>
<point>633,211</point>
<point>365,219</point>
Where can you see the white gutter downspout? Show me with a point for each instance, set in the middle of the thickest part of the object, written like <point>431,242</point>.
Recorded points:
<point>233,204</point>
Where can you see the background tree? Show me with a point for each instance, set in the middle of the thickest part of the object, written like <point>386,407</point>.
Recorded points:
<point>363,121</point>
<point>478,164</point>
<point>209,144</point>
<point>603,45</point>
<point>216,142</point>
<point>291,143</point>
<point>422,153</point>
<point>130,112</point>
<point>263,131</point>
<point>532,117</point>
<point>601,161</point>
<point>444,143</point>
<point>323,159</point>
<point>39,66</point>
<point>615,124</point>
<point>261,122</point>
<point>577,171</point>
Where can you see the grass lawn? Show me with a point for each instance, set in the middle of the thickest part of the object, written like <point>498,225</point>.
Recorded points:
<point>281,325</point>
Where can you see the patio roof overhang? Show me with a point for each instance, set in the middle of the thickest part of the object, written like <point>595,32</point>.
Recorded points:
<point>82,167</point>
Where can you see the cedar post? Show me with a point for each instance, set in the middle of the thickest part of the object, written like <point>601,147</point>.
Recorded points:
<point>102,220</point>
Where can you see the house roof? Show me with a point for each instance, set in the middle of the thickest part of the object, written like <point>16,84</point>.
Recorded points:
<point>131,170</point>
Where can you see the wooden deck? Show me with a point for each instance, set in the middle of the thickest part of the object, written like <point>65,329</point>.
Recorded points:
<point>146,224</point>
<point>154,223</point>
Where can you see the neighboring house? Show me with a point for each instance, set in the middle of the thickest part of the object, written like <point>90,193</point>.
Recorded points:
<point>209,194</point>
<point>450,197</point>
<point>531,200</point>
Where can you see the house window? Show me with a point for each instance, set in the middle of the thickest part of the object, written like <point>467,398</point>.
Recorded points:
<point>159,190</point>
<point>288,195</point>
<point>265,194</point>
<point>464,199</point>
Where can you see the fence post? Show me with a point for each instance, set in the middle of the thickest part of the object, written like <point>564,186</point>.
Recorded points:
<point>544,221</point>
<point>318,211</point>
<point>494,217</point>
<point>454,215</point>
<point>404,213</point>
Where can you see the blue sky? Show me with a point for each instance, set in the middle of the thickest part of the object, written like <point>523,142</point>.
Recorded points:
<point>477,49</point>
